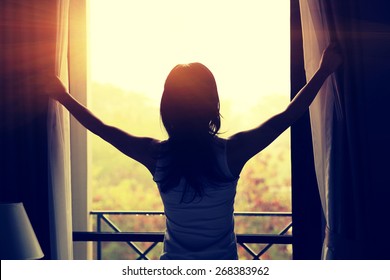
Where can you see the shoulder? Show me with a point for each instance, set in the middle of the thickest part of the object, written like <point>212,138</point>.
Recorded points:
<point>220,142</point>
<point>153,150</point>
<point>234,157</point>
<point>225,156</point>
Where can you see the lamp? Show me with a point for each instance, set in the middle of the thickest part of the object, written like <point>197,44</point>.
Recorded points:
<point>17,237</point>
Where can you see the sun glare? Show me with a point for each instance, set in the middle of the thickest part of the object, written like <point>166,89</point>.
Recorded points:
<point>134,44</point>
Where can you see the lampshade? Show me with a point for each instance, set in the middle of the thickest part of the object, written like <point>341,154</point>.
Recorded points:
<point>17,237</point>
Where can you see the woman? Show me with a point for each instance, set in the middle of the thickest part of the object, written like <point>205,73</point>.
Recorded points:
<point>195,170</point>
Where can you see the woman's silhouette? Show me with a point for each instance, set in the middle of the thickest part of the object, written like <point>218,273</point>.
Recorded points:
<point>195,170</point>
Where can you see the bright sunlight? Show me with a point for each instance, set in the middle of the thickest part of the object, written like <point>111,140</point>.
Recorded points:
<point>134,45</point>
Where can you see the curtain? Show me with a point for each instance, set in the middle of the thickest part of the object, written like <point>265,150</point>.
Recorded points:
<point>34,140</point>
<point>316,37</point>
<point>359,175</point>
<point>59,151</point>
<point>351,145</point>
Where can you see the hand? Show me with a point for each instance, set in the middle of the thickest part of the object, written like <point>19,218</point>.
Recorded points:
<point>53,87</point>
<point>331,59</point>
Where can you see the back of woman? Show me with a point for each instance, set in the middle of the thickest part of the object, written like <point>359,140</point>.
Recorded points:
<point>200,226</point>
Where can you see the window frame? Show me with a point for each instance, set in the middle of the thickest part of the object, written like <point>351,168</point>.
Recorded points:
<point>80,153</point>
<point>307,214</point>
<point>306,205</point>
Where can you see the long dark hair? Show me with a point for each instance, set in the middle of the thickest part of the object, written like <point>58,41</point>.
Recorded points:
<point>190,114</point>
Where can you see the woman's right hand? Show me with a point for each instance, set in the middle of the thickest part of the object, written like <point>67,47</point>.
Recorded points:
<point>331,59</point>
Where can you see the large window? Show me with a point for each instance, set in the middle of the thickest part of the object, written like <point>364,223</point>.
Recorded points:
<point>133,46</point>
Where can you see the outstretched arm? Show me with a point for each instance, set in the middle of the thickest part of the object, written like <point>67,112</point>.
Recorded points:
<point>138,148</point>
<point>244,145</point>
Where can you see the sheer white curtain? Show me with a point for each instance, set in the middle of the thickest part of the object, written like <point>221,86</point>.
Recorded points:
<point>316,38</point>
<point>59,151</point>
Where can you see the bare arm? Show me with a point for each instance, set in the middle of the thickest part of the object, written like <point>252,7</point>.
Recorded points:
<point>138,148</point>
<point>244,145</point>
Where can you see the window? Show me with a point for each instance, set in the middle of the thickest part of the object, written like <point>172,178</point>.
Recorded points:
<point>133,46</point>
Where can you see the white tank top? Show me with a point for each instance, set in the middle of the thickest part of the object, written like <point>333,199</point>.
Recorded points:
<point>203,228</point>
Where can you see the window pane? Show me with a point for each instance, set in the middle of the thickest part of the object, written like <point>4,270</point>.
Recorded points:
<point>134,45</point>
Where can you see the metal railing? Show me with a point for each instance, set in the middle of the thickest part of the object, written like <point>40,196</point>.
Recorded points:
<point>155,237</point>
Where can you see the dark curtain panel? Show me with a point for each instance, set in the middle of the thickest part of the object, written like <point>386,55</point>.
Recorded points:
<point>360,182</point>
<point>359,177</point>
<point>27,46</point>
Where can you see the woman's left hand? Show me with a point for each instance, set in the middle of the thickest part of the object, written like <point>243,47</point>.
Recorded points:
<point>53,87</point>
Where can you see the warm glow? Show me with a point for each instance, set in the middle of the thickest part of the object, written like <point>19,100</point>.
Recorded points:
<point>134,44</point>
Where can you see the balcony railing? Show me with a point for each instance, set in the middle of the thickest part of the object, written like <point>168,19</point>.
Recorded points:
<point>117,235</point>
